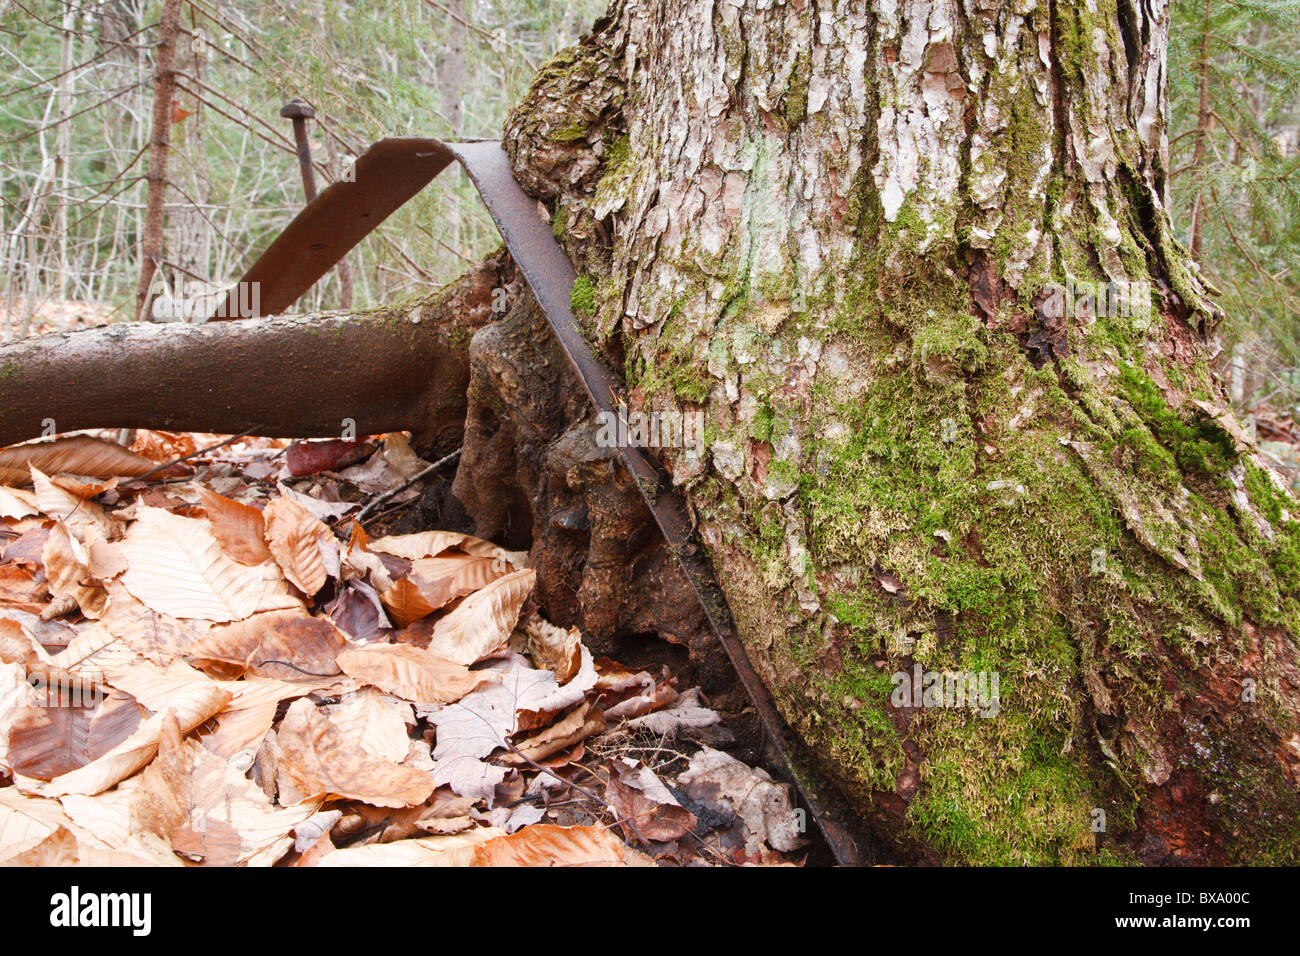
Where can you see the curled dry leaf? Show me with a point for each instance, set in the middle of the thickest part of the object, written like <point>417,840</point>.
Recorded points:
<point>723,783</point>
<point>77,455</point>
<point>554,648</point>
<point>289,645</point>
<point>411,673</point>
<point>431,544</point>
<point>405,603</point>
<point>546,845</point>
<point>686,712</point>
<point>636,793</point>
<point>481,625</point>
<point>296,538</point>
<point>240,529</point>
<point>319,760</point>
<point>176,567</point>
<point>67,572</point>
<point>75,512</point>
<point>578,724</point>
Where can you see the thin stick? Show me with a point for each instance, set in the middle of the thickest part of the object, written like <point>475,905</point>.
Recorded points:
<point>194,454</point>
<point>364,514</point>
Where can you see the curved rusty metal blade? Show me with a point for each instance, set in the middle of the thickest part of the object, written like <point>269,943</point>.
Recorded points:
<point>391,172</point>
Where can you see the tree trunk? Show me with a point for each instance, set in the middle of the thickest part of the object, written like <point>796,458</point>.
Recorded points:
<point>164,87</point>
<point>862,241</point>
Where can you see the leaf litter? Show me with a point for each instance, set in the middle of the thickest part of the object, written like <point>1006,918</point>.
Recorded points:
<point>214,665</point>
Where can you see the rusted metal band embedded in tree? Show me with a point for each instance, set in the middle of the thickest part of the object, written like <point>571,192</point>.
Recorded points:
<point>390,173</point>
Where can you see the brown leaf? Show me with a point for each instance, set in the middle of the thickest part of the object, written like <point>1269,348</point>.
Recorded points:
<point>482,623</point>
<point>411,673</point>
<point>49,741</point>
<point>554,648</point>
<point>546,845</point>
<point>405,603</point>
<point>189,710</point>
<point>295,538</point>
<point>636,793</point>
<point>206,809</point>
<point>318,760</point>
<point>177,568</point>
<point>578,724</point>
<point>240,529</point>
<point>288,645</point>
<point>67,570</point>
<point>77,455</point>
<point>310,457</point>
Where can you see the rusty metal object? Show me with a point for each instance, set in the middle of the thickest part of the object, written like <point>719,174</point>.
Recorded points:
<point>391,172</point>
<point>300,112</point>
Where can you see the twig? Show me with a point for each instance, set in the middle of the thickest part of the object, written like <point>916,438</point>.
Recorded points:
<point>194,454</point>
<point>363,515</point>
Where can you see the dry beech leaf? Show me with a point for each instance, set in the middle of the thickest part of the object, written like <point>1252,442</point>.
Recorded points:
<point>67,571</point>
<point>686,713</point>
<point>20,589</point>
<point>77,455</point>
<point>443,579</point>
<point>15,693</point>
<point>411,673</point>
<point>405,603</point>
<point>83,489</point>
<point>482,623</point>
<point>288,645</point>
<point>375,722</point>
<point>240,529</point>
<point>554,648</point>
<point>47,742</point>
<point>634,792</point>
<point>177,568</point>
<point>431,544</point>
<point>547,845</point>
<point>17,503</point>
<point>25,821</point>
<point>295,538</point>
<point>451,850</point>
<point>67,507</point>
<point>479,723</point>
<point>136,751</point>
<point>318,760</point>
<point>206,809</point>
<point>156,637</point>
<point>579,724</point>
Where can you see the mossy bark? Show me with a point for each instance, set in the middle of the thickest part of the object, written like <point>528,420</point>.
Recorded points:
<point>835,227</point>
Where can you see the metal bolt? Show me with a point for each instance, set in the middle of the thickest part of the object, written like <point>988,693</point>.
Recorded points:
<point>300,112</point>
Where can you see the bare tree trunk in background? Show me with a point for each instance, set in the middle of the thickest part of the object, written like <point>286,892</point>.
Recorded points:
<point>62,160</point>
<point>151,244</point>
<point>451,67</point>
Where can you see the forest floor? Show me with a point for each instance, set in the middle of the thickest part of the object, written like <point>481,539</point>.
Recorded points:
<point>219,664</point>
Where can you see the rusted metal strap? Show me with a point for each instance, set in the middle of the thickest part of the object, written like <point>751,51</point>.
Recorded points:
<point>390,173</point>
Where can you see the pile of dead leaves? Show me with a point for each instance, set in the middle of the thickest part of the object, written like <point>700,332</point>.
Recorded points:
<point>194,676</point>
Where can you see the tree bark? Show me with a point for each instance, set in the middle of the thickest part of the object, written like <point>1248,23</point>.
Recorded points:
<point>836,228</point>
<point>164,88</point>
